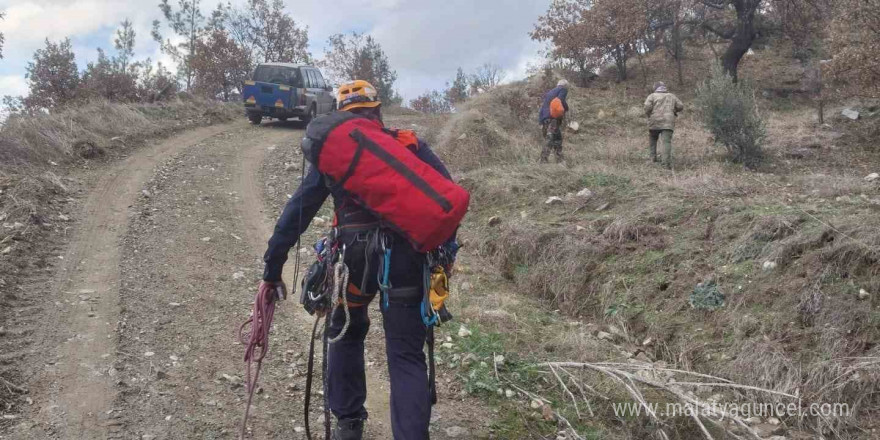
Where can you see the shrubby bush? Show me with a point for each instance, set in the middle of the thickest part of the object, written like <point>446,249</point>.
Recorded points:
<point>730,112</point>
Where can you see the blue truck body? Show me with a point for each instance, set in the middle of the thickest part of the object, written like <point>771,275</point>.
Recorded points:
<point>283,91</point>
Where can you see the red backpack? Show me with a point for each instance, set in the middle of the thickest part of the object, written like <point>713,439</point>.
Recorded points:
<point>383,175</point>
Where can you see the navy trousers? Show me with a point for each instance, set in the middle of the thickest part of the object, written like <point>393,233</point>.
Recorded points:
<point>405,335</point>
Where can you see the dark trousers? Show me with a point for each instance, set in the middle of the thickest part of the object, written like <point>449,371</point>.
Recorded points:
<point>551,131</point>
<point>405,336</point>
<point>655,136</point>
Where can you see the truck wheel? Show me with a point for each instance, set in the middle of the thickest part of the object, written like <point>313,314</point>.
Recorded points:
<point>255,118</point>
<point>313,113</point>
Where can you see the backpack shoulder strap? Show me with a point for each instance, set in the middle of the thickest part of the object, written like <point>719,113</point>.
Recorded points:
<point>318,130</point>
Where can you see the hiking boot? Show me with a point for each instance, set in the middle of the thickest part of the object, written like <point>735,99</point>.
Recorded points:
<point>349,429</point>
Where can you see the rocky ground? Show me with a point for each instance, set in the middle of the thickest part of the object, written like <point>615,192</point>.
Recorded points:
<point>138,338</point>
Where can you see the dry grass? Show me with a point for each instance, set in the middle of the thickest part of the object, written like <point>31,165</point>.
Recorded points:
<point>797,329</point>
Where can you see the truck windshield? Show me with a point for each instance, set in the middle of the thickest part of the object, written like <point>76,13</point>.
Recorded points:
<point>278,75</point>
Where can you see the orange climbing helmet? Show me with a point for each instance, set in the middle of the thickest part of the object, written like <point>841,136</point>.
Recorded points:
<point>357,94</point>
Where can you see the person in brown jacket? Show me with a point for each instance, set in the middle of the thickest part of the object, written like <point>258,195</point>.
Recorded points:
<point>662,108</point>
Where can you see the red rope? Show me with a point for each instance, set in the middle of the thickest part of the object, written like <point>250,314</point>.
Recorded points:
<point>257,337</point>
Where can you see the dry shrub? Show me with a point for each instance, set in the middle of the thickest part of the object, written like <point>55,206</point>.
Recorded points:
<point>554,265</point>
<point>855,251</point>
<point>491,129</point>
<point>629,229</point>
<point>765,230</point>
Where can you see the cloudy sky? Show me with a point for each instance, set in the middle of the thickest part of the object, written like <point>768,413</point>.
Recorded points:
<point>425,40</point>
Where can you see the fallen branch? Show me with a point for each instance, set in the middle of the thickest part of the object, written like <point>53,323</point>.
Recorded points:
<point>13,387</point>
<point>621,374</point>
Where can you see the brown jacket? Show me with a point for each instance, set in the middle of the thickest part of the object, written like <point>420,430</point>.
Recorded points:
<point>662,109</point>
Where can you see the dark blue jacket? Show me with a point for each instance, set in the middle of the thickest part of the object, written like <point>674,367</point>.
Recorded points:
<point>558,92</point>
<point>310,197</point>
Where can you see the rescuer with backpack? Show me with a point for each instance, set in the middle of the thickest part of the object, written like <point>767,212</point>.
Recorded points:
<point>552,118</point>
<point>396,214</point>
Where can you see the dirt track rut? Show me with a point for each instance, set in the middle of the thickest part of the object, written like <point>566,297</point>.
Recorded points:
<point>139,340</point>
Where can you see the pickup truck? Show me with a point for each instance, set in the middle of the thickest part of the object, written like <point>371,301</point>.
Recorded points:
<point>283,91</point>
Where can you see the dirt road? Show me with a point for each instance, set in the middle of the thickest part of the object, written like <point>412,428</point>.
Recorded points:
<point>139,340</point>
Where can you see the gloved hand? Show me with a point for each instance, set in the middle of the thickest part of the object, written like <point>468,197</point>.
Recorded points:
<point>278,287</point>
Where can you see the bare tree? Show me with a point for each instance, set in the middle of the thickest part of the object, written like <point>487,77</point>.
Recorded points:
<point>358,56</point>
<point>740,30</point>
<point>187,22</point>
<point>488,76</point>
<point>268,32</point>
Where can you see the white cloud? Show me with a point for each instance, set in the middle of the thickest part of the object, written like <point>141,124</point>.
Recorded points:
<point>14,85</point>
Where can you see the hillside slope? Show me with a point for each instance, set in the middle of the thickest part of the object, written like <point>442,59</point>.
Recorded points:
<point>792,248</point>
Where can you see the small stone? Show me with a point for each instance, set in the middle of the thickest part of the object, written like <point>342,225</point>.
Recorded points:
<point>299,429</point>
<point>173,358</point>
<point>766,430</point>
<point>603,207</point>
<point>873,177</point>
<point>773,421</point>
<point>234,380</point>
<point>63,218</point>
<point>574,126</point>
<point>237,276</point>
<point>149,354</point>
<point>851,114</point>
<point>580,228</point>
<point>509,393</point>
<point>547,412</point>
<point>463,332</point>
<point>585,193</point>
<point>604,336</point>
<point>446,345</point>
<point>499,359</point>
<point>148,437</point>
<point>536,404</point>
<point>174,305</point>
<point>206,239</point>
<point>466,287</point>
<point>146,193</point>
<point>6,250</point>
<point>647,342</point>
<point>456,432</point>
<point>863,294</point>
<point>769,265</point>
<point>523,215</point>
<point>494,221</point>
<point>462,137</point>
<point>553,201</point>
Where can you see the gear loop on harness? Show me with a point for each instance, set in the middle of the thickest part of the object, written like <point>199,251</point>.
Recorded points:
<point>340,285</point>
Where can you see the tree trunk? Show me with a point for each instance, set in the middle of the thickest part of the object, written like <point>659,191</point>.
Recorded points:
<point>743,36</point>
